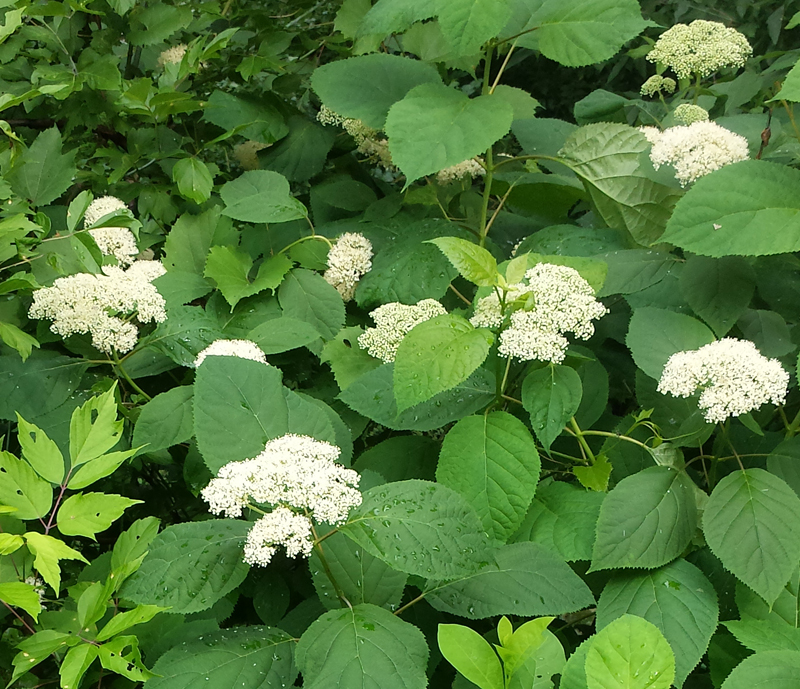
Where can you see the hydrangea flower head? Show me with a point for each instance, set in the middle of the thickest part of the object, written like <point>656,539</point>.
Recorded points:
<point>349,259</point>
<point>686,113</point>
<point>734,377</point>
<point>368,141</point>
<point>652,134</point>
<point>657,84</point>
<point>118,242</point>
<point>697,150</point>
<point>172,55</point>
<point>702,47</point>
<point>243,349</point>
<point>393,322</point>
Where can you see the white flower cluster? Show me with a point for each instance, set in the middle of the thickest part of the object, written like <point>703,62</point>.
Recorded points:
<point>367,139</point>
<point>103,305</point>
<point>686,113</point>
<point>469,168</point>
<point>246,154</point>
<point>118,242</point>
<point>393,322</point>
<point>172,55</point>
<point>702,47</point>
<point>348,260</point>
<point>734,376</point>
<point>243,349</point>
<point>489,311</point>
<point>657,84</point>
<point>38,586</point>
<point>652,134</point>
<point>697,150</point>
<point>564,303</point>
<point>297,476</point>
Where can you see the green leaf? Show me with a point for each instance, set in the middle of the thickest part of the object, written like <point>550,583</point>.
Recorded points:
<point>261,196</point>
<point>595,476</point>
<point>654,335</point>
<point>238,406</point>
<point>98,468</point>
<point>75,664</point>
<point>189,240</point>
<point>526,580</point>
<point>790,88</point>
<point>470,654</point>
<point>94,428</point>
<point>767,670</point>
<point>126,620</point>
<point>282,335</point>
<point>365,646</point>
<point>719,290</point>
<point>630,653</point>
<point>361,577</point>
<point>47,551</point>
<point>191,566</point>
<point>346,359</point>
<point>677,599</point>
<point>229,267</point>
<point>646,521</point>
<point>122,656</point>
<point>18,339</point>
<point>22,488</point>
<point>607,159</point>
<point>784,462</point>
<point>750,208</point>
<point>186,332</point>
<point>437,355</point>
<point>302,154</point>
<point>472,261</point>
<point>90,513</point>
<point>43,173</point>
<point>562,518</point>
<point>491,460</point>
<point>372,395</point>
<point>193,178</point>
<point>749,525</point>
<point>246,657</point>
<point>37,648</point>
<point>10,543</point>
<point>468,25</point>
<point>21,595</point>
<point>253,119</point>
<point>574,675</point>
<point>551,395</point>
<point>765,635</point>
<point>395,16</point>
<point>365,87</point>
<point>132,544</point>
<point>633,270</point>
<point>166,420</point>
<point>305,296</point>
<point>420,528</point>
<point>40,452</point>
<point>435,127</point>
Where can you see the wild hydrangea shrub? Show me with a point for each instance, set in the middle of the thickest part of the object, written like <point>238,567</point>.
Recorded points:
<point>354,344</point>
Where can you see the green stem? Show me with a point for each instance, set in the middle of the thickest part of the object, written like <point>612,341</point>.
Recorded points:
<point>618,436</point>
<point>326,567</point>
<point>502,383</point>
<point>696,88</point>
<point>793,427</point>
<point>305,239</point>
<point>487,180</point>
<point>121,369</point>
<point>578,433</point>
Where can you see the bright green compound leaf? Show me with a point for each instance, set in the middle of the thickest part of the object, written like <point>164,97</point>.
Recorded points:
<point>230,268</point>
<point>191,566</point>
<point>365,87</point>
<point>245,657</point>
<point>238,406</point>
<point>47,552</point>
<point>420,528</point>
<point>751,208</point>
<point>166,420</point>
<point>90,513</point>
<point>40,452</point>
<point>526,580</point>
<point>551,395</point>
<point>122,656</point>
<point>435,127</point>
<point>98,468</point>
<point>193,179</point>
<point>126,620</point>
<point>767,670</point>
<point>43,173</point>
<point>75,664</point>
<point>261,196</point>
<point>38,647</point>
<point>437,355</point>
<point>492,461</point>
<point>18,339</point>
<point>365,646</point>
<point>305,296</point>
<point>23,489</point>
<point>94,428</point>
<point>10,543</point>
<point>646,521</point>
<point>630,653</point>
<point>470,654</point>
<point>654,335</point>
<point>749,524</point>
<point>678,599</point>
<point>21,595</point>
<point>519,646</point>
<point>765,635</point>
<point>473,262</point>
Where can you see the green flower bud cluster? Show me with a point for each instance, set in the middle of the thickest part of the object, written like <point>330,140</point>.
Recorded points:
<point>689,114</point>
<point>657,84</point>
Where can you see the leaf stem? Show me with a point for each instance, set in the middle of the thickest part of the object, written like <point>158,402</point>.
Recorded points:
<point>618,436</point>
<point>118,365</point>
<point>576,431</point>
<point>410,603</point>
<point>326,567</point>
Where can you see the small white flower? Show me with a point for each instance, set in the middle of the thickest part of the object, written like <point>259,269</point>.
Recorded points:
<point>101,206</point>
<point>368,141</point>
<point>488,311</point>
<point>349,259</point>
<point>172,55</point>
<point>393,322</point>
<point>469,168</point>
<point>652,134</point>
<point>279,527</point>
<point>243,349</point>
<point>734,377</point>
<point>118,242</point>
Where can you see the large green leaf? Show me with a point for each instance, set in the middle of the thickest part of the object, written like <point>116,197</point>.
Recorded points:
<point>750,208</point>
<point>86,514</point>
<point>767,670</point>
<point>166,420</point>
<point>466,25</point>
<point>363,646</point>
<point>765,635</point>
<point>302,154</point>
<point>420,528</point>
<point>784,462</point>
<point>191,566</point>
<point>230,267</point>
<point>194,179</point>
<point>646,521</point>
<point>750,524</point>
<point>244,657</point>
<point>437,355</point>
<point>186,332</point>
<point>22,488</point>
<point>474,262</point>
<point>472,655</point>
<point>282,334</point>
<point>238,406</point>
<point>261,196</point>
<point>365,87</point>
<point>526,580</point>
<point>677,599</point>
<point>630,653</point>
<point>305,296</point>
<point>435,127</point>
<point>492,461</point>
<point>256,120</point>
<point>394,16</point>
<point>189,240</point>
<point>43,173</point>
<point>551,395</point>
<point>40,451</point>
<point>607,159</point>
